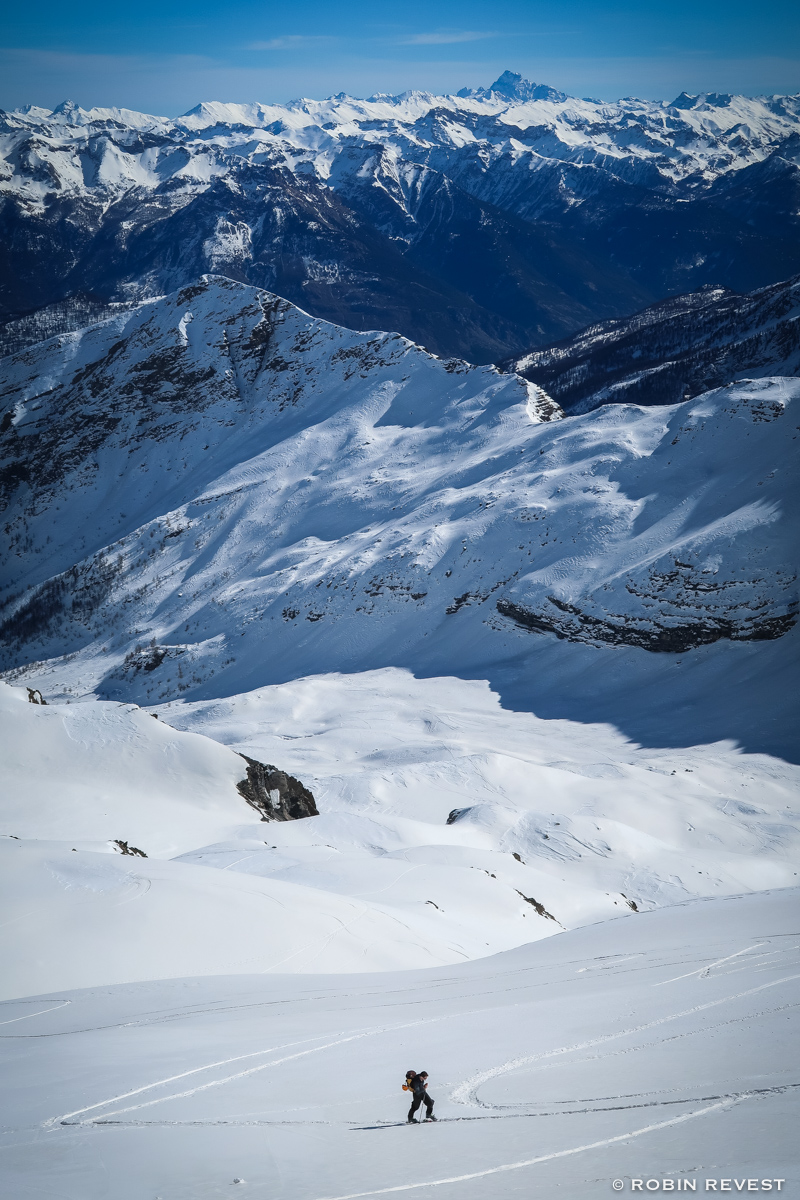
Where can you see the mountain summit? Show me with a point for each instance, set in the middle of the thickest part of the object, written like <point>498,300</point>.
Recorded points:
<point>511,86</point>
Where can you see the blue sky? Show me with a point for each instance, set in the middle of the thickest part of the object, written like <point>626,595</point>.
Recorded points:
<point>164,56</point>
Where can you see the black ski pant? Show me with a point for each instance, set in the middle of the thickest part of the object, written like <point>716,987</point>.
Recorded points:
<point>420,1098</point>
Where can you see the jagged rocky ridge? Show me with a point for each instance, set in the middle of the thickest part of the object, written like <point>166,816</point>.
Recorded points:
<point>674,350</point>
<point>479,225</point>
<point>217,491</point>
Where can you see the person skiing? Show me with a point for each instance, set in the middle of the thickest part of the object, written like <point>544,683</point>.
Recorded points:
<point>417,1083</point>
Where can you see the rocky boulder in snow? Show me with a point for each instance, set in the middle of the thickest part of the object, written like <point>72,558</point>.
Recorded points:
<point>274,794</point>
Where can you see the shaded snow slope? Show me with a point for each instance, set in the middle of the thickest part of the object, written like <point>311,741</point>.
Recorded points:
<point>479,224</point>
<point>651,1048</point>
<point>218,492</point>
<point>673,350</point>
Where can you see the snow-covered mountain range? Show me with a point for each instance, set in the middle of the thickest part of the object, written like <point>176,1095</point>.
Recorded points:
<point>217,491</point>
<point>674,350</point>
<point>480,224</point>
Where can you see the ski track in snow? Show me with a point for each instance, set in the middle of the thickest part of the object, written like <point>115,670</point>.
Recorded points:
<point>703,972</point>
<point>542,1158</point>
<point>466,1092</point>
<point>40,1012</point>
<point>356,1128</point>
<point>297,1134</point>
<point>66,1118</point>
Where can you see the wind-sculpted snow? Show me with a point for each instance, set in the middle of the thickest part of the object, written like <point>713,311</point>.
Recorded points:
<point>217,492</point>
<point>480,224</point>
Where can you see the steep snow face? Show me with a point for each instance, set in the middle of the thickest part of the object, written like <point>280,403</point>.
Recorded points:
<point>218,492</point>
<point>673,350</point>
<point>479,225</point>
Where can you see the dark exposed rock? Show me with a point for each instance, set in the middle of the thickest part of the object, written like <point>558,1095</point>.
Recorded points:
<point>274,794</point>
<point>35,696</point>
<point>124,848</point>
<point>540,908</point>
<point>457,814</point>
<point>570,624</point>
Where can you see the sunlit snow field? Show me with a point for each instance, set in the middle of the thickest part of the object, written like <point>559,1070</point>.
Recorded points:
<point>649,1048</point>
<point>552,825</point>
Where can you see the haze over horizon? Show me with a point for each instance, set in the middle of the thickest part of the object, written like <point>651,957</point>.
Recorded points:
<point>165,58</point>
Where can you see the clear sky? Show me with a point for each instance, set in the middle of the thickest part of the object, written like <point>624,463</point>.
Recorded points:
<point>164,56</point>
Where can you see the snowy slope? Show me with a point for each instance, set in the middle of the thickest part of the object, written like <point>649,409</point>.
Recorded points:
<point>478,224</point>
<point>673,350</point>
<point>93,775</point>
<point>218,492</point>
<point>660,1047</point>
<point>449,829</point>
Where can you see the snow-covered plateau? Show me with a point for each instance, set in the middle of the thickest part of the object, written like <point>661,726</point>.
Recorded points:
<point>539,673</point>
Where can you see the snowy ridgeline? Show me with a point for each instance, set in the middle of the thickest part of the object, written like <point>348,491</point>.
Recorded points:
<point>657,1048</point>
<point>449,829</point>
<point>217,492</point>
<point>500,133</point>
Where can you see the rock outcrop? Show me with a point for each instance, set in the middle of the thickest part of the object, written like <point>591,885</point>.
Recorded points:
<point>274,794</point>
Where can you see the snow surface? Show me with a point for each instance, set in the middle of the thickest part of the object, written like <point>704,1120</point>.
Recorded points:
<point>558,825</point>
<point>658,1047</point>
<point>91,774</point>
<point>274,527</point>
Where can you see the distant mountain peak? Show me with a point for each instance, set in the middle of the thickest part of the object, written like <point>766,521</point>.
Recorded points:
<point>513,86</point>
<point>66,108</point>
<point>714,99</point>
